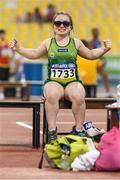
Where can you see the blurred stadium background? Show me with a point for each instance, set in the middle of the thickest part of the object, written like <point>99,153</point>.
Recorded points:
<point>104,14</point>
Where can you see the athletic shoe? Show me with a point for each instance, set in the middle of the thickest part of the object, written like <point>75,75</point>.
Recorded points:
<point>77,133</point>
<point>52,136</point>
<point>92,131</point>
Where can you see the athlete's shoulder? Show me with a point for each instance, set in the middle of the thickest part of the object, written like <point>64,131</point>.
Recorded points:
<point>78,43</point>
<point>47,42</point>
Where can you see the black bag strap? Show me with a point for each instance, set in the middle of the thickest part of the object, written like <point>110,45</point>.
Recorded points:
<point>41,159</point>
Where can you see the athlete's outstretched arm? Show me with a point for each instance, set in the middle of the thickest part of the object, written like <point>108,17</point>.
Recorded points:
<point>94,53</point>
<point>29,53</point>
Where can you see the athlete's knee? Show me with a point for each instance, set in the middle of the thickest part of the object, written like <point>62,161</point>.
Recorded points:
<point>52,96</point>
<point>78,99</point>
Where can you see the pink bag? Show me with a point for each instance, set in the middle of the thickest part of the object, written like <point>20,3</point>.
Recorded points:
<point>109,147</point>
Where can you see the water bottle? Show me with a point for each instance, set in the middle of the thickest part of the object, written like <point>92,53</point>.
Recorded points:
<point>64,164</point>
<point>23,80</point>
<point>118,94</point>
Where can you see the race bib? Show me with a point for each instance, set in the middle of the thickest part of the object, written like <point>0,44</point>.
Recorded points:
<point>63,71</point>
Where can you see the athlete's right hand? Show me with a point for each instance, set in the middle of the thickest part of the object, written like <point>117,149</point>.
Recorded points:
<point>14,45</point>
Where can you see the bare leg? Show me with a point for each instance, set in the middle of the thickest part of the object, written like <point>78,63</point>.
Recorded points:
<point>76,94</point>
<point>53,92</point>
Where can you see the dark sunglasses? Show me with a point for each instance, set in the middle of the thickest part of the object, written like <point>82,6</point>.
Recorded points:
<point>65,23</point>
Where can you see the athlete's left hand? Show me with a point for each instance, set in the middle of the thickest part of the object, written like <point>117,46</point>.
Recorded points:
<point>107,44</point>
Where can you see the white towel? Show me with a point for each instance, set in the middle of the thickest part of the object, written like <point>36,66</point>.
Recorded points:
<point>86,161</point>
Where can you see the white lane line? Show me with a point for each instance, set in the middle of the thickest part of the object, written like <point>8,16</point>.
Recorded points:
<point>26,126</point>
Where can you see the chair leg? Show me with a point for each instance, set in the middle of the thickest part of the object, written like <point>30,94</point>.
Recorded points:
<point>45,129</point>
<point>44,124</point>
<point>46,132</point>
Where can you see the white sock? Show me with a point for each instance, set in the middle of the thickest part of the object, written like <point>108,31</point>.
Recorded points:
<point>78,130</point>
<point>52,129</point>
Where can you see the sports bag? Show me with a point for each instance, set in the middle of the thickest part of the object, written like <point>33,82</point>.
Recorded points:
<point>65,149</point>
<point>109,147</point>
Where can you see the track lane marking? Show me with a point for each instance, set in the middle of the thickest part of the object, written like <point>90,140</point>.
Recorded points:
<point>26,126</point>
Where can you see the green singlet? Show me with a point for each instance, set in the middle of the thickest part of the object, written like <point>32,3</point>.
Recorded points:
<point>62,66</point>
